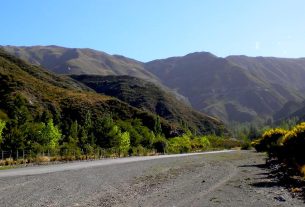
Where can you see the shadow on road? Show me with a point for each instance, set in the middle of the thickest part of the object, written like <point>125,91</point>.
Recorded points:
<point>281,176</point>
<point>255,165</point>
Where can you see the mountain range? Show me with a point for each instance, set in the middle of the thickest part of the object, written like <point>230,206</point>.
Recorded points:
<point>69,98</point>
<point>233,89</point>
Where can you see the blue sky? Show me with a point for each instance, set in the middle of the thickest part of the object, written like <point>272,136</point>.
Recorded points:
<point>147,30</point>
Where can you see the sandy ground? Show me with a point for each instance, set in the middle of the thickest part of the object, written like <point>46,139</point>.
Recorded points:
<point>221,179</point>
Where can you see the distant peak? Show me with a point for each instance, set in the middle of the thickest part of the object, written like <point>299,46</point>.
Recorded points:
<point>201,54</point>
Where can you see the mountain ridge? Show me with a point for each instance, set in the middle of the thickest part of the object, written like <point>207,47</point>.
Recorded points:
<point>70,99</point>
<point>235,88</point>
<point>222,88</point>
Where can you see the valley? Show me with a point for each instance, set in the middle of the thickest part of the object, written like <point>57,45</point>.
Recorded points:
<point>152,103</point>
<point>53,115</point>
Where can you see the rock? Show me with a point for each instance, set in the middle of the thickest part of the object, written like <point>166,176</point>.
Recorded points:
<point>280,198</point>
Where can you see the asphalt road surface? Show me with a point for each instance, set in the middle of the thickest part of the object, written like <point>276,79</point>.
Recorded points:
<point>226,178</point>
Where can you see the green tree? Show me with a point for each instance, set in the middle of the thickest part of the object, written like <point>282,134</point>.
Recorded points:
<point>179,144</point>
<point>86,132</point>
<point>119,141</point>
<point>88,121</point>
<point>2,126</point>
<point>74,130</point>
<point>124,143</point>
<point>83,138</point>
<point>157,127</point>
<point>70,145</point>
<point>101,132</point>
<point>34,140</point>
<point>114,136</point>
<point>51,135</point>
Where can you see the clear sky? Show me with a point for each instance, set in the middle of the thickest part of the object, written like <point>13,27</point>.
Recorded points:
<point>152,29</point>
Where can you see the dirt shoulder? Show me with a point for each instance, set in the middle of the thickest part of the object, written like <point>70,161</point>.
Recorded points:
<point>224,179</point>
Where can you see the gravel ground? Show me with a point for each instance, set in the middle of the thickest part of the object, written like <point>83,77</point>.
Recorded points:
<point>220,179</point>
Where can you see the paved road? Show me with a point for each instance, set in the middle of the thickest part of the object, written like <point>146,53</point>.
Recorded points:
<point>230,178</point>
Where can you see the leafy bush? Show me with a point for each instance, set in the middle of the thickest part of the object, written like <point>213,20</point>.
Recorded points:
<point>139,151</point>
<point>222,142</point>
<point>294,144</point>
<point>160,144</point>
<point>271,141</point>
<point>2,125</point>
<point>246,145</point>
<point>179,144</point>
<point>200,143</point>
<point>286,146</point>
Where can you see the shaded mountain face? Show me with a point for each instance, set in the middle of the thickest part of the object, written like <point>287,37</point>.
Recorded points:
<point>69,99</point>
<point>287,72</point>
<point>224,89</point>
<point>80,61</point>
<point>288,110</point>
<point>150,97</point>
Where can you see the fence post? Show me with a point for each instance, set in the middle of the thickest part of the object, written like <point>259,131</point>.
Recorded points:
<point>23,154</point>
<point>17,156</point>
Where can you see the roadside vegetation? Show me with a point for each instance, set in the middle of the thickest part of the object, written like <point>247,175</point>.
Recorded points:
<point>46,117</point>
<point>285,145</point>
<point>44,142</point>
<point>41,139</point>
<point>46,136</point>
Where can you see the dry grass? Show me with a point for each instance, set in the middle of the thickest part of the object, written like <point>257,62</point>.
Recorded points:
<point>43,159</point>
<point>302,170</point>
<point>296,190</point>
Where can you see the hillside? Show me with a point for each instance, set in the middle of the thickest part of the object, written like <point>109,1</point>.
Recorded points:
<point>30,93</point>
<point>236,88</point>
<point>63,60</point>
<point>149,97</point>
<point>287,72</point>
<point>288,110</point>
<point>67,99</point>
<point>221,88</point>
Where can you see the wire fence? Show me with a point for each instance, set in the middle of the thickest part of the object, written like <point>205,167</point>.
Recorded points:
<point>66,154</point>
<point>26,154</point>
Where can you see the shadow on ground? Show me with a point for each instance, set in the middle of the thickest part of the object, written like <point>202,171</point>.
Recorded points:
<point>281,176</point>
